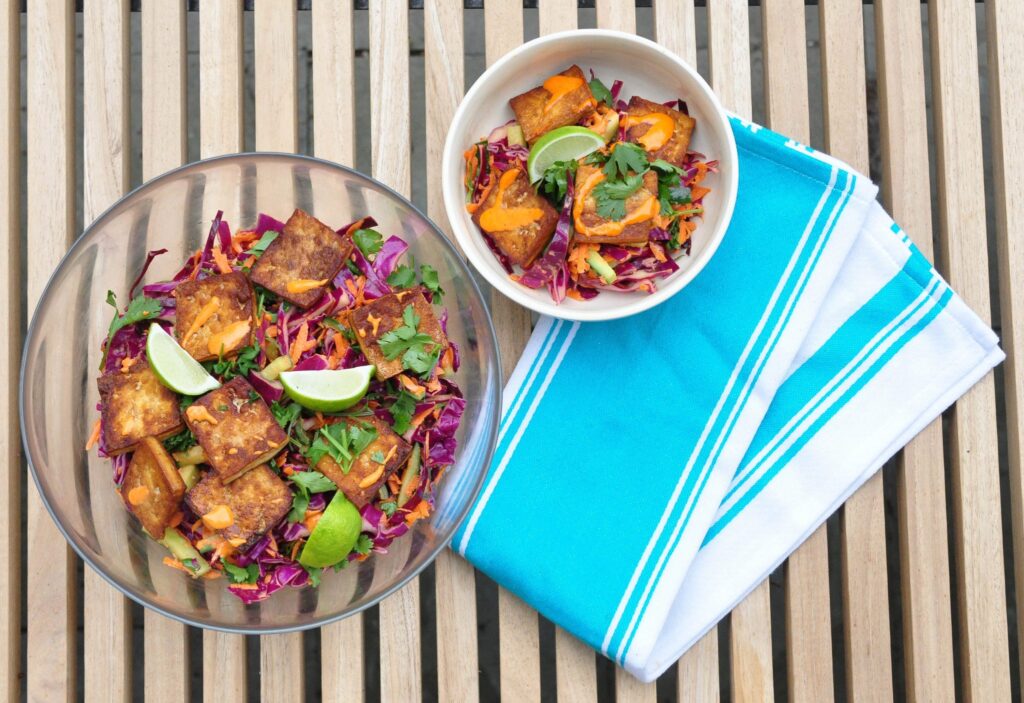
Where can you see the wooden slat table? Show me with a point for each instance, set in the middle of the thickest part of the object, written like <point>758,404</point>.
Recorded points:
<point>912,592</point>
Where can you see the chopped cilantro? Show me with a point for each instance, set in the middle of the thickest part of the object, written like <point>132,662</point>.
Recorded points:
<point>342,442</point>
<point>378,456</point>
<point>554,183</point>
<point>611,196</point>
<point>307,482</point>
<point>183,441</point>
<point>624,158</point>
<point>264,242</point>
<point>428,274</point>
<point>139,309</point>
<point>353,268</point>
<point>596,158</point>
<point>239,365</point>
<point>239,574</point>
<point>389,507</point>
<point>369,241</point>
<point>286,413</point>
<point>185,401</point>
<point>402,411</point>
<point>364,544</point>
<point>410,344</point>
<point>314,575</point>
<point>403,276</point>
<point>300,501</point>
<point>600,91</point>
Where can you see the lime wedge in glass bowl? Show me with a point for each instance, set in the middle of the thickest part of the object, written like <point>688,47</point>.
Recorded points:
<point>174,366</point>
<point>328,390</point>
<point>562,144</point>
<point>334,535</point>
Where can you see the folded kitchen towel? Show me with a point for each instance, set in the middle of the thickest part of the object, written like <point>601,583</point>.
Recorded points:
<point>650,471</point>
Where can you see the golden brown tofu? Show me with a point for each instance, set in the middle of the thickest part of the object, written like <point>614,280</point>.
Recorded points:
<point>136,405</point>
<point>378,317</point>
<point>641,208</point>
<point>385,455</point>
<point>519,220</point>
<point>307,250</point>
<point>258,501</point>
<point>152,488</point>
<point>562,100</point>
<point>235,428</point>
<point>662,131</point>
<point>214,315</point>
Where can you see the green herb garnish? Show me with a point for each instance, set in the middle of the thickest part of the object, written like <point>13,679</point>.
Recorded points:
<point>140,309</point>
<point>369,241</point>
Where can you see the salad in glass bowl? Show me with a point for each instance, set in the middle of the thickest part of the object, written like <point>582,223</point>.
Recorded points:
<point>584,192</point>
<point>283,405</point>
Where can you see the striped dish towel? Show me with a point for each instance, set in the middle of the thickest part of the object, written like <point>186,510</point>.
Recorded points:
<point>651,471</point>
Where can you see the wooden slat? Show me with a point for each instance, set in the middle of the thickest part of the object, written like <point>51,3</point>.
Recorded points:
<point>50,200</point>
<point>978,540</point>
<point>105,140</point>
<point>1005,21</point>
<point>519,637</point>
<point>556,16</point>
<point>11,320</point>
<point>457,664</point>
<point>808,624</point>
<point>275,46</point>
<point>865,586</point>
<point>400,661</point>
<point>220,132</point>
<point>619,15</point>
<point>575,669</point>
<point>675,28</point>
<point>924,563</point>
<point>334,137</point>
<point>164,138</point>
<point>750,642</point>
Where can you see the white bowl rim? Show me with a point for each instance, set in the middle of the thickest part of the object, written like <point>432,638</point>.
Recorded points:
<point>455,206</point>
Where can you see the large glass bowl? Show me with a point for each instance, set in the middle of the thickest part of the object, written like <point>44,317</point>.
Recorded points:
<point>58,380</point>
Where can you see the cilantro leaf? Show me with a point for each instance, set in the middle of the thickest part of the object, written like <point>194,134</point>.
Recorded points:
<point>596,158</point>
<point>611,196</point>
<point>389,507</point>
<point>420,360</point>
<point>402,277</point>
<point>285,413</point>
<point>239,365</point>
<point>300,501</point>
<point>554,183</point>
<point>369,241</point>
<point>312,481</point>
<point>180,442</point>
<point>402,411</point>
<point>624,158</point>
<point>364,544</point>
<point>139,309</point>
<point>264,242</point>
<point>403,338</point>
<point>342,442</point>
<point>428,274</point>
<point>239,574</point>
<point>600,91</point>
<point>314,575</point>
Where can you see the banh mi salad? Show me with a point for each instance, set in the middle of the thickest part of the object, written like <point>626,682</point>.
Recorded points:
<point>286,403</point>
<point>583,192</point>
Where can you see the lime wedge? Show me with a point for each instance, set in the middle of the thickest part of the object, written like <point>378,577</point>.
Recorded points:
<point>562,144</point>
<point>328,391</point>
<point>174,366</point>
<point>334,536</point>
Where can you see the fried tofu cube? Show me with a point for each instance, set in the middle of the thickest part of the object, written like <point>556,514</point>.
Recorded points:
<point>383,457</point>
<point>641,208</point>
<point>377,318</point>
<point>136,405</point>
<point>662,131</point>
<point>235,428</point>
<point>304,252</point>
<point>257,501</point>
<point>152,488</point>
<point>215,315</point>
<point>564,99</point>
<point>521,240</point>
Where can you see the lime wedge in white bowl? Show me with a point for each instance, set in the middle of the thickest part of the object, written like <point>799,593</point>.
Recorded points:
<point>174,366</point>
<point>328,390</point>
<point>562,144</point>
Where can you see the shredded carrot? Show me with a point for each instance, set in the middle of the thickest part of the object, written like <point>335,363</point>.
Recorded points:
<point>219,518</point>
<point>199,413</point>
<point>281,459</point>
<point>211,542</point>
<point>658,252</point>
<point>288,471</point>
<point>175,564</point>
<point>205,314</point>
<point>698,192</point>
<point>574,294</point>
<point>224,549</point>
<point>433,385</point>
<point>222,261</point>
<point>418,419</point>
<point>394,483</point>
<point>127,363</point>
<point>138,494</point>
<point>211,575</point>
<point>372,478</point>
<point>302,285</point>
<point>311,519</point>
<point>229,337</point>
<point>94,436</point>
<point>411,385</point>
<point>245,586</point>
<point>197,256</point>
<point>298,346</point>
<point>272,331</point>
<point>295,550</point>
<point>176,519</point>
<point>420,512</point>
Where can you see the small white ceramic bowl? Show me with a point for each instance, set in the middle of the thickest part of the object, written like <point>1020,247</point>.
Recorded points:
<point>646,69</point>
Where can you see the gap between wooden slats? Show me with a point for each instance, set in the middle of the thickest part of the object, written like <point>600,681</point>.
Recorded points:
<point>865,585</point>
<point>963,260</point>
<point>400,655</point>
<point>164,136</point>
<point>11,320</point>
<point>808,622</point>
<point>275,61</point>
<point>455,582</point>
<point>750,643</point>
<point>106,171</point>
<point>334,134</point>
<point>519,647</point>
<point>1005,31</point>
<point>220,132</point>
<point>921,488</point>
